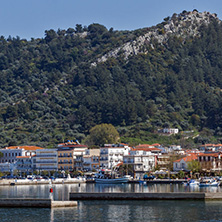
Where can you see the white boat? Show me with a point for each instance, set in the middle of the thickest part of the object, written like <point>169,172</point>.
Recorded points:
<point>112,181</point>
<point>193,183</point>
<point>209,183</point>
<point>106,177</point>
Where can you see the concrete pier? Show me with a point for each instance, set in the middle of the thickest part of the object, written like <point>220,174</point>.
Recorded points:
<point>35,203</point>
<point>146,196</point>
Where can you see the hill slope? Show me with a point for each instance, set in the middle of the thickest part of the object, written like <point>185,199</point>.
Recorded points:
<point>60,86</point>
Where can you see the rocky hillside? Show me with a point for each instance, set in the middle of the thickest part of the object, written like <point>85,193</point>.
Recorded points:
<point>58,87</point>
<point>184,25</point>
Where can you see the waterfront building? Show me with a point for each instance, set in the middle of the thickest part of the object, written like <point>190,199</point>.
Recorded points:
<point>112,154</point>
<point>24,164</point>
<point>10,153</point>
<point>65,158</point>
<point>78,150</point>
<point>7,167</point>
<point>46,159</point>
<point>210,162</point>
<point>163,161</point>
<point>91,160</point>
<point>182,163</point>
<point>140,163</point>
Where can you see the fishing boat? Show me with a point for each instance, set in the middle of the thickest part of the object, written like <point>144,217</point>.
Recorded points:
<point>106,177</point>
<point>112,181</point>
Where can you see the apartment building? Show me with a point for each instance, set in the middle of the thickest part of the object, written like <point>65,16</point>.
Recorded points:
<point>91,160</point>
<point>46,159</point>
<point>11,153</point>
<point>65,158</point>
<point>112,154</point>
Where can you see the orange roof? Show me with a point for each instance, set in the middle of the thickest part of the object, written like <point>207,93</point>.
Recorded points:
<point>146,149</point>
<point>206,145</point>
<point>156,144</point>
<point>209,154</point>
<point>144,146</point>
<point>188,158</point>
<point>23,147</point>
<point>21,157</point>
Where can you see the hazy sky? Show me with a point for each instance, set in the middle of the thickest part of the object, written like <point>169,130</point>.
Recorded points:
<point>29,18</point>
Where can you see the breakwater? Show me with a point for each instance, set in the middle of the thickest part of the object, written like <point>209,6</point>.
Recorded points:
<point>146,196</point>
<point>36,203</point>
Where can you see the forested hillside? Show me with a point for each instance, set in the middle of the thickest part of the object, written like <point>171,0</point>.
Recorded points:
<point>58,87</point>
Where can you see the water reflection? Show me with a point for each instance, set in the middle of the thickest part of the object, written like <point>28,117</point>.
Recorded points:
<point>61,191</point>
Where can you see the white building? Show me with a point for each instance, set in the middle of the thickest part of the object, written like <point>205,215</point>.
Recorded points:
<point>140,163</point>
<point>171,130</point>
<point>112,155</point>
<point>46,159</point>
<point>10,153</point>
<point>182,164</point>
<point>7,167</point>
<point>24,164</point>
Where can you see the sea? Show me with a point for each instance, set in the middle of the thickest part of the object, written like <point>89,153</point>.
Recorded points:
<point>124,211</point>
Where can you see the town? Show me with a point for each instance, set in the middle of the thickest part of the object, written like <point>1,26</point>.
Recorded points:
<point>141,161</point>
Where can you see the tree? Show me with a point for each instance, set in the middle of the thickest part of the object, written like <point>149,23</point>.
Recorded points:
<point>194,166</point>
<point>102,134</point>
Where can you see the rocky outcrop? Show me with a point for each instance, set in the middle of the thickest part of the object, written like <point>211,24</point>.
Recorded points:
<point>182,25</point>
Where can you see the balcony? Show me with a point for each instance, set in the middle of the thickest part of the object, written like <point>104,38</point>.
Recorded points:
<point>64,156</point>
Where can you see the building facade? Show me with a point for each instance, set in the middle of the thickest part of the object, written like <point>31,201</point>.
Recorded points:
<point>65,159</point>
<point>110,156</point>
<point>91,160</point>
<point>46,159</point>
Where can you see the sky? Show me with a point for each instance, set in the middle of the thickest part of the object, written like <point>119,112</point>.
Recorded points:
<point>29,19</point>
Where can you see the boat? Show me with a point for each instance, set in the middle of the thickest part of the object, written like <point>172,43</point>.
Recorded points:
<point>105,177</point>
<point>193,182</point>
<point>209,183</point>
<point>112,181</point>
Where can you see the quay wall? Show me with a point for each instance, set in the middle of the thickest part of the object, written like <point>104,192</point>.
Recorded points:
<point>35,203</point>
<point>147,196</point>
<point>137,196</point>
<point>36,182</point>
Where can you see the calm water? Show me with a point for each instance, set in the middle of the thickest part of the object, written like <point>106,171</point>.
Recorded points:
<point>111,210</point>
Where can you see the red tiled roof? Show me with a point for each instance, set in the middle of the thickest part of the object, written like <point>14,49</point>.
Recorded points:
<point>24,147</point>
<point>144,146</point>
<point>212,145</point>
<point>21,157</point>
<point>209,154</point>
<point>156,144</point>
<point>188,158</point>
<point>146,149</point>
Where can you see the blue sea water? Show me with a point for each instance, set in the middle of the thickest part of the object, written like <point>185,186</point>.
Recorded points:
<point>113,211</point>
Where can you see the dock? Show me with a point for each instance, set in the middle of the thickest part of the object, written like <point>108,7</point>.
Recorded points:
<point>35,203</point>
<point>147,196</point>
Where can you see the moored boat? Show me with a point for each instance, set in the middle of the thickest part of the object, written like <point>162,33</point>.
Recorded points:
<point>112,181</point>
<point>193,182</point>
<point>106,177</point>
<point>209,183</point>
